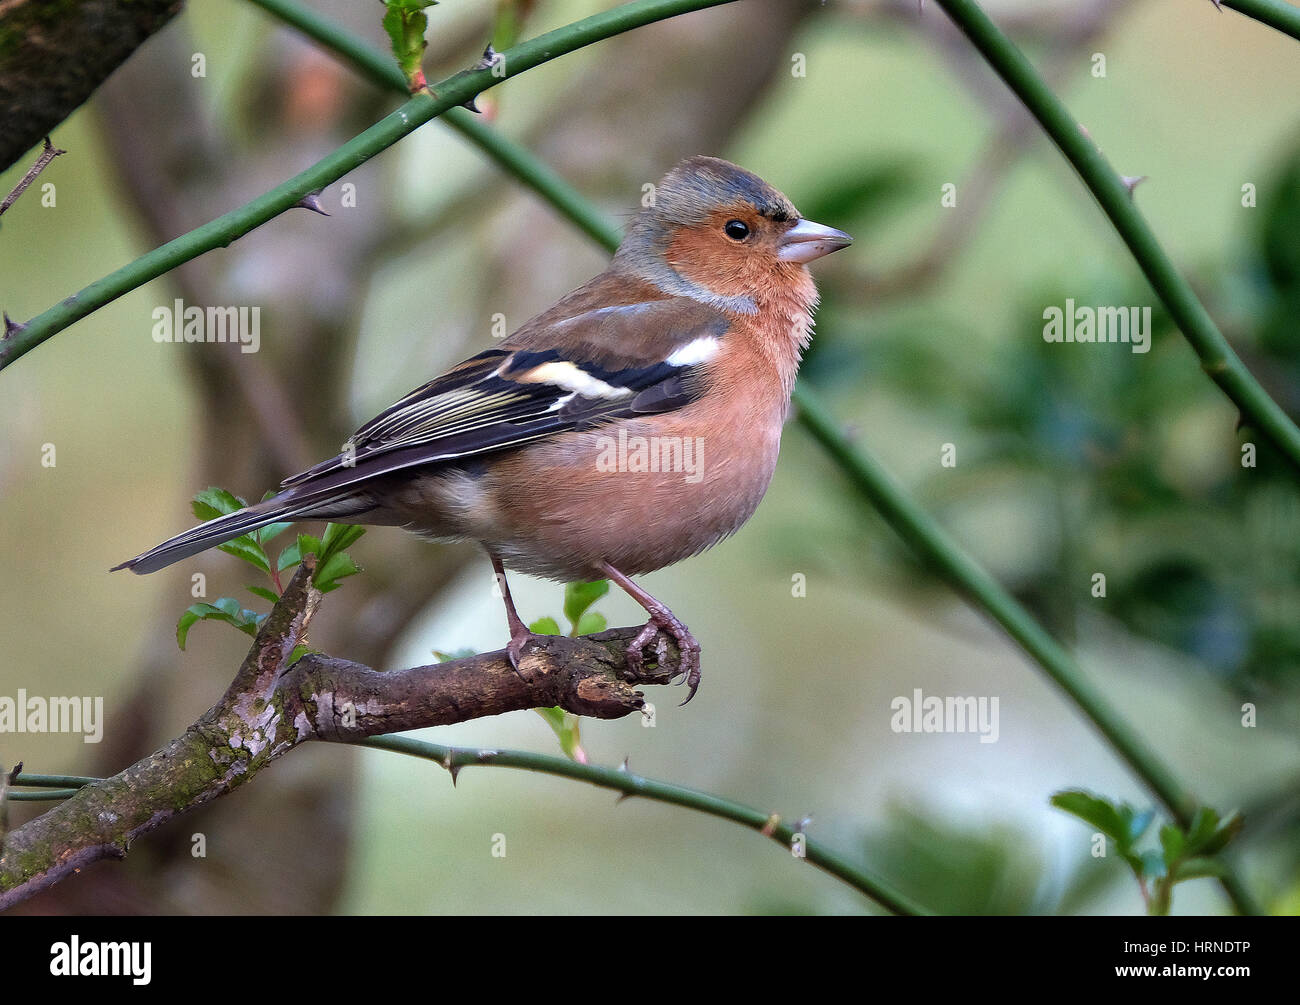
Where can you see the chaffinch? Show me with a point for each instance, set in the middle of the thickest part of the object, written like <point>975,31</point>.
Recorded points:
<point>633,424</point>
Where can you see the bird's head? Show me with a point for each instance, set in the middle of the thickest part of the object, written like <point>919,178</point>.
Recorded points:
<point>715,231</point>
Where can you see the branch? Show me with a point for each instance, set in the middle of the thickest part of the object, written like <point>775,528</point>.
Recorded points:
<point>271,708</point>
<point>629,784</point>
<point>518,161</point>
<point>1217,358</point>
<point>449,93</point>
<point>47,154</point>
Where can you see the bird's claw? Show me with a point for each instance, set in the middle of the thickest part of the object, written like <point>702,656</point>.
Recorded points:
<point>515,647</point>
<point>688,650</point>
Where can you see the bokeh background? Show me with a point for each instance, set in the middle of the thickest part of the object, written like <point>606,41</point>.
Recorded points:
<point>1071,459</point>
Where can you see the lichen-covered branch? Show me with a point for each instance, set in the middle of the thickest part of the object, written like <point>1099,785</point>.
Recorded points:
<point>272,707</point>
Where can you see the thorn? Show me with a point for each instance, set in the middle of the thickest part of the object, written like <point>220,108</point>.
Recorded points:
<point>1217,5</point>
<point>488,59</point>
<point>12,327</point>
<point>13,775</point>
<point>312,201</point>
<point>1132,181</point>
<point>452,769</point>
<point>622,796</point>
<point>625,767</point>
<point>804,823</point>
<point>472,106</point>
<point>769,828</point>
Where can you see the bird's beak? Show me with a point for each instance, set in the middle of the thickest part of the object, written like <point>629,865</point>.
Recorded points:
<point>807,241</point>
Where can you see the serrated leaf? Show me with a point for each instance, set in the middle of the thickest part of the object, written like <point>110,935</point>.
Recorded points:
<point>264,593</point>
<point>1094,810</point>
<point>226,609</point>
<point>244,547</point>
<point>580,596</point>
<point>545,626</point>
<point>288,558</point>
<point>215,502</point>
<point>590,623</point>
<point>337,566</point>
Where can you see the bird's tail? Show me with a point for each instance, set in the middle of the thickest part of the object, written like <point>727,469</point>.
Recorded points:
<point>287,506</point>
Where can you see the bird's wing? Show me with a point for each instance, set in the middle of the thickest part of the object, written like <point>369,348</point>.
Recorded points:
<point>515,394</point>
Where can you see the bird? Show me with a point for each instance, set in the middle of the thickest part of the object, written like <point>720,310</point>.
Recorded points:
<point>632,425</point>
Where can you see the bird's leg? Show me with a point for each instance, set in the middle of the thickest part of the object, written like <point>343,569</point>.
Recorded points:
<point>519,633</point>
<point>660,617</point>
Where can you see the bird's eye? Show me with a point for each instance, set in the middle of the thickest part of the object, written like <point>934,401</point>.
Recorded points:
<point>736,230</point>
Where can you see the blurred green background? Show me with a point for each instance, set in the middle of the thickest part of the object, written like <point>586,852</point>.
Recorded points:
<point>1071,459</point>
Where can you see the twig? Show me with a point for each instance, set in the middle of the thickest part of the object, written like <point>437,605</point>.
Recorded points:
<point>272,707</point>
<point>623,780</point>
<point>1217,358</point>
<point>47,155</point>
<point>421,108</point>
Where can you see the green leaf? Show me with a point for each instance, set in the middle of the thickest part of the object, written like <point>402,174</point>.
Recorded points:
<point>309,544</point>
<point>226,609</point>
<point>590,623</point>
<point>545,626</point>
<point>1094,810</point>
<point>289,558</point>
<point>299,651</point>
<point>264,593</point>
<point>1205,821</point>
<point>455,654</point>
<point>1198,868</point>
<point>1228,830</point>
<point>250,551</point>
<point>1173,843</point>
<point>337,566</point>
<point>271,530</point>
<point>567,727</point>
<point>339,536</point>
<point>405,23</point>
<point>213,502</point>
<point>580,596</point>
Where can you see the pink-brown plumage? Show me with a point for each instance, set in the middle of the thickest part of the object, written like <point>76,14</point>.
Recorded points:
<point>687,345</point>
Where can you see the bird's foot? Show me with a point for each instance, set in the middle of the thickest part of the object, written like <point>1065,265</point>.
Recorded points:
<point>519,639</point>
<point>688,650</point>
